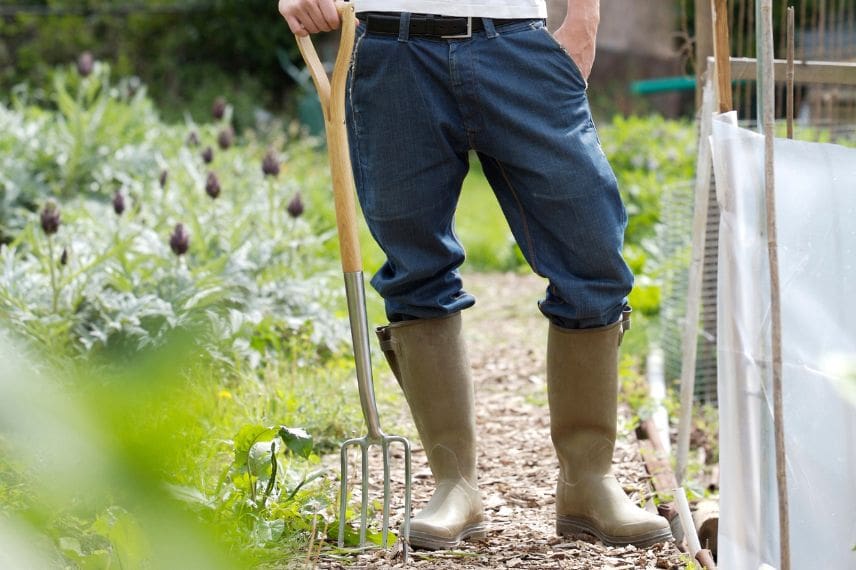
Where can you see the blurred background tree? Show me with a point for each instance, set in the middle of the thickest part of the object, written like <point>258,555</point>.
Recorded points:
<point>188,52</point>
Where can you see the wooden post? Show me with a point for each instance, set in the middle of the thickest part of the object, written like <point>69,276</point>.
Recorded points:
<point>722,52</point>
<point>765,59</point>
<point>656,459</point>
<point>703,44</point>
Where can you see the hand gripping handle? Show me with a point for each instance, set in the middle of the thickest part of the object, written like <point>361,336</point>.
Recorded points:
<point>332,95</point>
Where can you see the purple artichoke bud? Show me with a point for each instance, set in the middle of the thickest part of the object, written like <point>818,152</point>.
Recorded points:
<point>163,177</point>
<point>270,164</point>
<point>179,241</point>
<point>218,109</point>
<point>118,203</point>
<point>226,138</point>
<point>208,155</point>
<point>50,218</point>
<point>85,64</point>
<point>193,139</point>
<point>295,207</point>
<point>212,186</point>
<point>63,259</point>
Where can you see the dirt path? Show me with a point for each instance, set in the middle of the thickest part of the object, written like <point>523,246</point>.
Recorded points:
<point>517,465</point>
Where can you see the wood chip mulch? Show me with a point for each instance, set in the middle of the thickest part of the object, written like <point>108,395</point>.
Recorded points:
<point>507,339</point>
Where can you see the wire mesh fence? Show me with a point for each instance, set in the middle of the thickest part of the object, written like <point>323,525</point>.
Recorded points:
<point>675,247</point>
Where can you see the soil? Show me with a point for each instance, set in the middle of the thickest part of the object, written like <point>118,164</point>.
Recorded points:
<point>507,339</point>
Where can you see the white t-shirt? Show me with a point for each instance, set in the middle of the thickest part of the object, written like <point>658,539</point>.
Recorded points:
<point>474,8</point>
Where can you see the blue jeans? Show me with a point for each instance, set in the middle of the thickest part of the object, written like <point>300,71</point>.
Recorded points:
<point>416,108</point>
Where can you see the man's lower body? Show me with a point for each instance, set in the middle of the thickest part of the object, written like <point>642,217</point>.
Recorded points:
<point>417,107</point>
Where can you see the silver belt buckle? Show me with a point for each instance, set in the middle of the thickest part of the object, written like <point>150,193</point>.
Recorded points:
<point>469,33</point>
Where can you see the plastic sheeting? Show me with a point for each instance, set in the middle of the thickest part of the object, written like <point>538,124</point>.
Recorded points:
<point>815,209</point>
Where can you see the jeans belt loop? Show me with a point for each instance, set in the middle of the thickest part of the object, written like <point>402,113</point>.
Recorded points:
<point>489,28</point>
<point>468,34</point>
<point>404,27</point>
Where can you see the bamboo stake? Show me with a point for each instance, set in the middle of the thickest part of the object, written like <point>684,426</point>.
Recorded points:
<point>789,91</point>
<point>782,45</point>
<point>753,52</point>
<point>767,95</point>
<point>741,37</point>
<point>821,35</point>
<point>851,28</point>
<point>689,340</point>
<point>689,337</point>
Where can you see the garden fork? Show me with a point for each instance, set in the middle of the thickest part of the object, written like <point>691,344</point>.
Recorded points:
<point>332,96</point>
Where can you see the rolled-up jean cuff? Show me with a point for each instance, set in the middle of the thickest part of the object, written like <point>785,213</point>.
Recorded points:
<point>603,320</point>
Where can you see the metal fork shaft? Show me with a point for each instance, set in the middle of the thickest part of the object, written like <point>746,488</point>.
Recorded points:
<point>356,295</point>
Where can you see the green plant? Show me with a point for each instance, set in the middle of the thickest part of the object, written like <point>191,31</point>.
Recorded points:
<point>249,262</point>
<point>647,154</point>
<point>149,463</point>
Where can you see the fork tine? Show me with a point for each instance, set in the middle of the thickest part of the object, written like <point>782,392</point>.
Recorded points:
<point>364,486</point>
<point>365,444</point>
<point>405,443</point>
<point>386,491</point>
<point>343,493</point>
<point>408,488</point>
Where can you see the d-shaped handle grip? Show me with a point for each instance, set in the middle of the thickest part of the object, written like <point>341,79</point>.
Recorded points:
<point>332,96</point>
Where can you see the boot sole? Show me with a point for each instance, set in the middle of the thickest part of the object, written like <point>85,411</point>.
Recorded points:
<point>575,525</point>
<point>431,542</point>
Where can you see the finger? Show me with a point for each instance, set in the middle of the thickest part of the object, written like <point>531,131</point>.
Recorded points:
<point>318,21</point>
<point>296,27</point>
<point>330,14</point>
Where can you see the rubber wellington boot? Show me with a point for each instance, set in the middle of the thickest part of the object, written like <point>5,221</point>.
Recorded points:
<point>582,385</point>
<point>429,360</point>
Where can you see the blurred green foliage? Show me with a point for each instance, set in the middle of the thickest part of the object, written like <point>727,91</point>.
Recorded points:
<point>141,387</point>
<point>162,462</point>
<point>188,51</point>
<point>252,272</point>
<point>647,154</point>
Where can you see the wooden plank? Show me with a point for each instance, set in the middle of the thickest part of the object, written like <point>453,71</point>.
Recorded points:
<point>819,72</point>
<point>657,460</point>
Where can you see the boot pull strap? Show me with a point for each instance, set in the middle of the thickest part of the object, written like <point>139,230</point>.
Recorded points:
<point>385,338</point>
<point>388,346</point>
<point>625,323</point>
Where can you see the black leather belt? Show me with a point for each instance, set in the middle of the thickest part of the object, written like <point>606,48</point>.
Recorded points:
<point>427,25</point>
